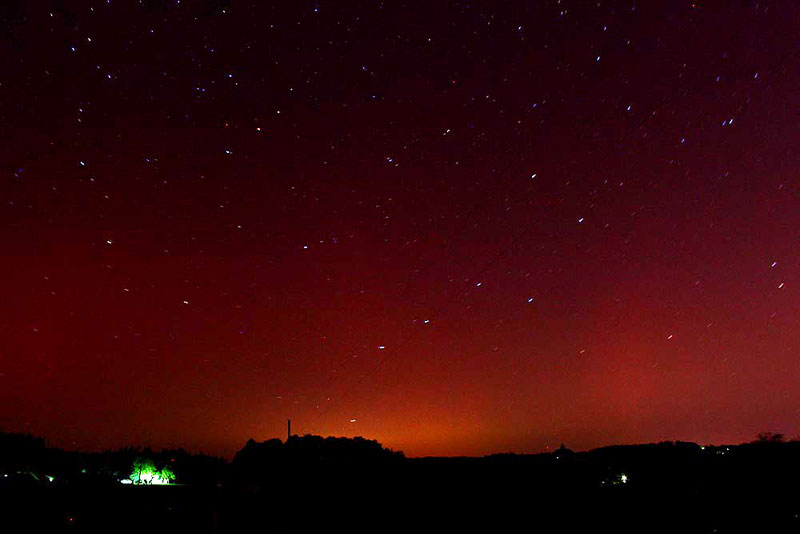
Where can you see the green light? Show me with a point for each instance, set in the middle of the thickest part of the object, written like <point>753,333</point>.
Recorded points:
<point>145,472</point>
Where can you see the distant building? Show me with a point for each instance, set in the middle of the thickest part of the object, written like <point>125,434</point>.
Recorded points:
<point>563,453</point>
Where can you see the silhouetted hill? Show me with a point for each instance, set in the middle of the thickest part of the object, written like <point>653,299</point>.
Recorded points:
<point>260,463</point>
<point>311,483</point>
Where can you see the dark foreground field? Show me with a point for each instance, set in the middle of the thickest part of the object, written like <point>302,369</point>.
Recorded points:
<point>659,488</point>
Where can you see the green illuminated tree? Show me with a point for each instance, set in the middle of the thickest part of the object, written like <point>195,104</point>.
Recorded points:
<point>167,475</point>
<point>144,471</point>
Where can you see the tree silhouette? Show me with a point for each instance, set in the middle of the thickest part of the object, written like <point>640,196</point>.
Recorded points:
<point>770,437</point>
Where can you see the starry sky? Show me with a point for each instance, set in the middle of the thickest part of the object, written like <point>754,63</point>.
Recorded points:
<point>458,227</point>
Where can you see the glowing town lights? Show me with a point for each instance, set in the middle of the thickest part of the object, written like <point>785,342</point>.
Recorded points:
<point>623,478</point>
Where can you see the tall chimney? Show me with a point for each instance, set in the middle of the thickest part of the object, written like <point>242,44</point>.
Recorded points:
<point>288,429</point>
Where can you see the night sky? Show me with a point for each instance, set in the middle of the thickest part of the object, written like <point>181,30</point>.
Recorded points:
<point>457,227</point>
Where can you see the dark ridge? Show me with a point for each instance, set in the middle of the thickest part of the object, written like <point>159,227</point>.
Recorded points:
<point>310,483</point>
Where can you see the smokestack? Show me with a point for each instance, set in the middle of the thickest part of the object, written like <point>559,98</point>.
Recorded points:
<point>288,429</point>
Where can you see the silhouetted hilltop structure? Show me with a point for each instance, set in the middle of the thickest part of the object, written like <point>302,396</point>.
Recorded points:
<point>563,453</point>
<point>260,463</point>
